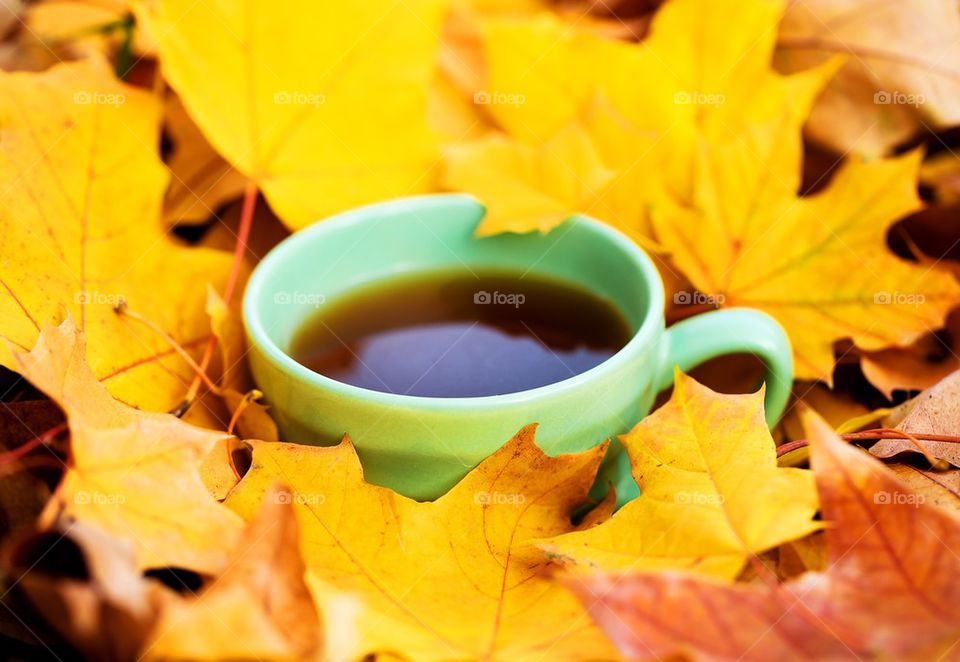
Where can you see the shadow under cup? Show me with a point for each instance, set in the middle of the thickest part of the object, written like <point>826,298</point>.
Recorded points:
<point>421,446</point>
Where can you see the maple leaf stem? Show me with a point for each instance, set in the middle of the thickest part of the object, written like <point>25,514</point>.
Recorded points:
<point>124,309</point>
<point>41,439</point>
<point>884,433</point>
<point>243,234</point>
<point>248,398</point>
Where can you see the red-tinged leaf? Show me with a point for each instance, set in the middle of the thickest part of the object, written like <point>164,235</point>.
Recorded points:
<point>655,615</point>
<point>893,572</point>
<point>890,587</point>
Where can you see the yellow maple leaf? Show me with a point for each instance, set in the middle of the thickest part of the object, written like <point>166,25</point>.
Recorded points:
<point>132,474</point>
<point>711,492</point>
<point>323,105</point>
<point>81,232</point>
<point>536,188</point>
<point>453,579</point>
<point>643,106</point>
<point>818,264</point>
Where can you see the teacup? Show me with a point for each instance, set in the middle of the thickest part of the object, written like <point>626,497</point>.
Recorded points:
<point>421,446</point>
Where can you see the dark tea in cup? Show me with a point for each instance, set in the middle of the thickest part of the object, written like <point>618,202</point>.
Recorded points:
<point>460,333</point>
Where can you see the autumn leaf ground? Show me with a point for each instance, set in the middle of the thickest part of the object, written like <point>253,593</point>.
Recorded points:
<point>794,157</point>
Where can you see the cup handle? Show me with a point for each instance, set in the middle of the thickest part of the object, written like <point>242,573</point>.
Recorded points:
<point>732,331</point>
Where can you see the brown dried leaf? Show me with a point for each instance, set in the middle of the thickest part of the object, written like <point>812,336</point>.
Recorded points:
<point>901,72</point>
<point>935,411</point>
<point>941,488</point>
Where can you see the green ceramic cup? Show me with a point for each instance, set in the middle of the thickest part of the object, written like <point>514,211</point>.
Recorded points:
<point>421,446</point>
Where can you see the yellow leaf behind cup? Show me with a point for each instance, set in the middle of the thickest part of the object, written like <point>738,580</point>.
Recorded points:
<point>711,492</point>
<point>323,105</point>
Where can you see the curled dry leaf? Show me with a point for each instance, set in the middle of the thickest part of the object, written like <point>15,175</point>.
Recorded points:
<point>132,474</point>
<point>889,589</point>
<point>711,492</point>
<point>457,578</point>
<point>295,114</point>
<point>82,231</point>
<point>934,411</point>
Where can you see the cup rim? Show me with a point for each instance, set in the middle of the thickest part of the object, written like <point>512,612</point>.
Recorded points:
<point>258,336</point>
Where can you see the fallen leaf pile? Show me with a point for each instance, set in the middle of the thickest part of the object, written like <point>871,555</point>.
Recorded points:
<point>889,589</point>
<point>794,157</point>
